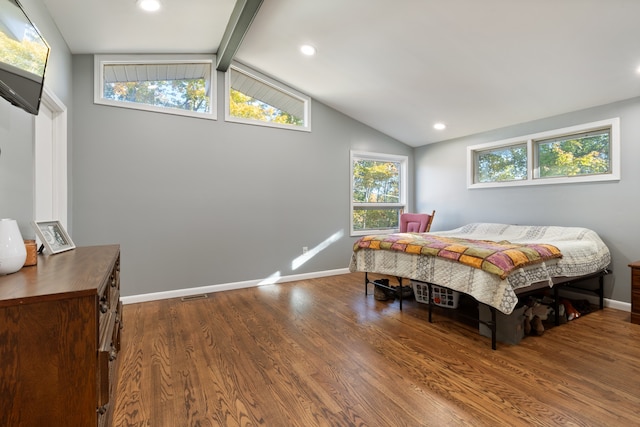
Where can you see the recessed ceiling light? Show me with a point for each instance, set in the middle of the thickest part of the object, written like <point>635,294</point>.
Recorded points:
<point>149,5</point>
<point>439,126</point>
<point>308,50</point>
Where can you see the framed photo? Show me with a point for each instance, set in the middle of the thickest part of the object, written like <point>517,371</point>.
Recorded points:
<point>53,235</point>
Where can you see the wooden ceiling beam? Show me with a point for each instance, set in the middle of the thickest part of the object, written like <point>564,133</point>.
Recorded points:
<point>241,18</point>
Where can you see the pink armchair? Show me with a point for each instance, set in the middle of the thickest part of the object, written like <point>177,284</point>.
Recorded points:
<point>416,222</point>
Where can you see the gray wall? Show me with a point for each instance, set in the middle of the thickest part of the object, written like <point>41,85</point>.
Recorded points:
<point>195,202</point>
<point>17,126</point>
<point>609,208</point>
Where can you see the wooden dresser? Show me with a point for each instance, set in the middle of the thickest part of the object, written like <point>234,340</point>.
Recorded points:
<point>635,292</point>
<point>60,327</point>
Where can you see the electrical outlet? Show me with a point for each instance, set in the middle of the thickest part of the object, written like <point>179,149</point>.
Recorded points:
<point>304,249</point>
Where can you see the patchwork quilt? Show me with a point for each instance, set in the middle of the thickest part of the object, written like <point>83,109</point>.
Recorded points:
<point>499,258</point>
<point>582,252</point>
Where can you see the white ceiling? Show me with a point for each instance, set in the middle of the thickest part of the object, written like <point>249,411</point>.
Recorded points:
<point>400,65</point>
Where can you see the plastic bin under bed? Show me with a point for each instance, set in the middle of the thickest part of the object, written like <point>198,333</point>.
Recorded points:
<point>442,297</point>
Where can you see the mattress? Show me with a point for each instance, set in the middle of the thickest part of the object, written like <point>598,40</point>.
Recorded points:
<point>583,253</point>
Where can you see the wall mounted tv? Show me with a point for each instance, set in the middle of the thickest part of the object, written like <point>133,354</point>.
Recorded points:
<point>23,58</point>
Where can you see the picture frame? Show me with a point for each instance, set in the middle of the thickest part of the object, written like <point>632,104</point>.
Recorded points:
<point>53,236</point>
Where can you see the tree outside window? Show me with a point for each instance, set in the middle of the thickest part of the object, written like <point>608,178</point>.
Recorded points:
<point>241,105</point>
<point>581,153</point>
<point>502,164</point>
<point>256,99</point>
<point>183,85</point>
<point>585,154</point>
<point>183,94</point>
<point>378,192</point>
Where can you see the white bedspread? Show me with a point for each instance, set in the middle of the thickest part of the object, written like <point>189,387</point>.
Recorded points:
<point>583,252</point>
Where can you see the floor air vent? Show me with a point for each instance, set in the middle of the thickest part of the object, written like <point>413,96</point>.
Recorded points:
<point>194,297</point>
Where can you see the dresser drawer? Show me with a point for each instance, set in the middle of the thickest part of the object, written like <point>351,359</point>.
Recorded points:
<point>107,367</point>
<point>109,299</point>
<point>635,300</point>
<point>119,325</point>
<point>110,312</point>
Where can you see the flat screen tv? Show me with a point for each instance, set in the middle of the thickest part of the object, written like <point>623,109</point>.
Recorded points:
<point>23,58</point>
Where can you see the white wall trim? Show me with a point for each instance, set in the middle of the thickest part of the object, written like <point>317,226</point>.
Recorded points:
<point>594,299</point>
<point>59,153</point>
<point>179,293</point>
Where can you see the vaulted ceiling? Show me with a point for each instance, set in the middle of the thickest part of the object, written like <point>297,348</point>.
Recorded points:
<point>399,66</point>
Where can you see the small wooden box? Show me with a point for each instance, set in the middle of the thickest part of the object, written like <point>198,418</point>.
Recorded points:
<point>32,253</point>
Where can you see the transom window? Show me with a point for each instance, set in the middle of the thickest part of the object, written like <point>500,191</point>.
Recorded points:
<point>175,84</point>
<point>580,154</point>
<point>378,192</point>
<point>502,164</point>
<point>589,152</point>
<point>253,98</point>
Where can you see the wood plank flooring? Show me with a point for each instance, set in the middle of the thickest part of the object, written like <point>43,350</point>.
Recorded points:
<point>319,353</point>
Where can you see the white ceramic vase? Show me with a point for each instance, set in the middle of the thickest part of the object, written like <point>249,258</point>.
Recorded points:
<point>13,252</point>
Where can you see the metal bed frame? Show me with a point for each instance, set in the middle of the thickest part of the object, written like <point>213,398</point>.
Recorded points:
<point>558,282</point>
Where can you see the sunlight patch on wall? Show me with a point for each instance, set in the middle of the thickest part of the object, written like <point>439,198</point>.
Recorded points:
<point>299,261</point>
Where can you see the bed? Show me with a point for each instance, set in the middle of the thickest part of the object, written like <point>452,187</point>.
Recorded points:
<point>530,257</point>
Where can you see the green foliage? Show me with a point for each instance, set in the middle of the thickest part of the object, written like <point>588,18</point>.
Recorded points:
<point>28,54</point>
<point>187,95</point>
<point>376,182</point>
<point>376,219</point>
<point>244,106</point>
<point>585,155</point>
<point>503,164</point>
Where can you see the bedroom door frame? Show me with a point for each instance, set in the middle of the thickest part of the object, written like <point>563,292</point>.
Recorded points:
<point>50,160</point>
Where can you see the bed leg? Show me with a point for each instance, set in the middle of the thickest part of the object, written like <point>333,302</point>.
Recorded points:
<point>601,291</point>
<point>556,304</point>
<point>430,301</point>
<point>493,328</point>
<point>400,291</point>
<point>366,282</point>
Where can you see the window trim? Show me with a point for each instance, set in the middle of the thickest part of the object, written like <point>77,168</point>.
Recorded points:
<point>98,88</point>
<point>269,82</point>
<point>404,190</point>
<point>531,140</point>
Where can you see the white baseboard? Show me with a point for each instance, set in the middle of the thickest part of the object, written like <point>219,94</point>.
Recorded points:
<point>179,293</point>
<point>593,299</point>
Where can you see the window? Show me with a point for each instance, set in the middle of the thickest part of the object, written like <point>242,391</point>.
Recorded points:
<point>174,84</point>
<point>253,98</point>
<point>502,164</point>
<point>378,192</point>
<point>574,155</point>
<point>584,153</point>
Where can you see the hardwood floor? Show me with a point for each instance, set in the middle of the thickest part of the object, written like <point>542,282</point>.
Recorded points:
<point>319,353</point>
